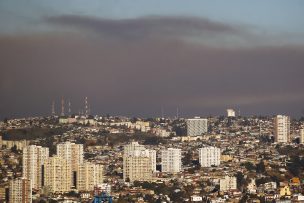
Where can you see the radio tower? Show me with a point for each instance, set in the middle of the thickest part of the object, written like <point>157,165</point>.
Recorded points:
<point>53,108</point>
<point>62,106</point>
<point>86,107</point>
<point>69,107</point>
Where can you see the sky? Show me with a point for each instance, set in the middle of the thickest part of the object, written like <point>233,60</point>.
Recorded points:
<point>137,57</point>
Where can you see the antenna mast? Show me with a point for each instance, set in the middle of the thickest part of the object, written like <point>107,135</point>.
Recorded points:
<point>62,106</point>
<point>86,107</point>
<point>53,108</point>
<point>69,107</point>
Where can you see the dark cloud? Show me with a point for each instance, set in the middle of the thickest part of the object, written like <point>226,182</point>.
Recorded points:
<point>137,78</point>
<point>151,26</point>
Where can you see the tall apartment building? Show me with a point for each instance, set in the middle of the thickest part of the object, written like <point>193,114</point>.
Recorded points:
<point>228,183</point>
<point>20,191</point>
<point>302,136</point>
<point>171,160</point>
<point>281,128</point>
<point>57,177</point>
<point>209,156</point>
<point>230,113</point>
<point>90,175</point>
<point>135,148</point>
<point>196,126</point>
<point>137,163</point>
<point>73,153</point>
<point>32,164</point>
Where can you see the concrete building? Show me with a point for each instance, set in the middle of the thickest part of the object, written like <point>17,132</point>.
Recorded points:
<point>90,175</point>
<point>302,136</point>
<point>171,160</point>
<point>228,183</point>
<point>281,128</point>
<point>209,156</point>
<point>73,154</point>
<point>135,148</point>
<point>196,126</point>
<point>57,175</point>
<point>20,144</point>
<point>230,113</point>
<point>20,191</point>
<point>137,163</point>
<point>33,159</point>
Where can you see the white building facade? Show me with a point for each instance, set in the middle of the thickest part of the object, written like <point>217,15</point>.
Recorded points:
<point>20,191</point>
<point>90,175</point>
<point>139,163</point>
<point>228,183</point>
<point>197,126</point>
<point>73,154</point>
<point>230,113</point>
<point>58,176</point>
<point>33,158</point>
<point>209,156</point>
<point>171,160</point>
<point>302,136</point>
<point>281,126</point>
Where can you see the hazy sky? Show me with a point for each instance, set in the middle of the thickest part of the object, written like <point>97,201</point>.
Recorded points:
<point>132,57</point>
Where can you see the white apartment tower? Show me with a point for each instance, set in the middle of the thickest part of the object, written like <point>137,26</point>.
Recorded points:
<point>32,164</point>
<point>137,163</point>
<point>209,156</point>
<point>281,128</point>
<point>228,183</point>
<point>196,126</point>
<point>302,135</point>
<point>90,175</point>
<point>73,153</point>
<point>134,147</point>
<point>171,160</point>
<point>57,174</point>
<point>20,191</point>
<point>230,113</point>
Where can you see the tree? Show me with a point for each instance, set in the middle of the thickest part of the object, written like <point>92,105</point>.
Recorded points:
<point>14,149</point>
<point>186,160</point>
<point>250,166</point>
<point>240,180</point>
<point>260,167</point>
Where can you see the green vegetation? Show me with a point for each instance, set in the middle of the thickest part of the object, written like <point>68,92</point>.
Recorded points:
<point>31,133</point>
<point>115,139</point>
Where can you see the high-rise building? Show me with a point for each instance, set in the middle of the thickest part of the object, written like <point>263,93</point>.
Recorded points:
<point>228,183</point>
<point>20,191</point>
<point>171,160</point>
<point>282,128</point>
<point>209,156</point>
<point>230,113</point>
<point>32,164</point>
<point>90,175</point>
<point>132,147</point>
<point>137,163</point>
<point>197,126</point>
<point>302,136</point>
<point>136,148</point>
<point>73,154</point>
<point>57,176</point>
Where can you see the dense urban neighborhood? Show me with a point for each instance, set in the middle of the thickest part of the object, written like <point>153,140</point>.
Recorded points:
<point>83,158</point>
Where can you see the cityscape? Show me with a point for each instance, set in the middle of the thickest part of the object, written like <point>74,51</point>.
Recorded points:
<point>151,101</point>
<point>84,158</point>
